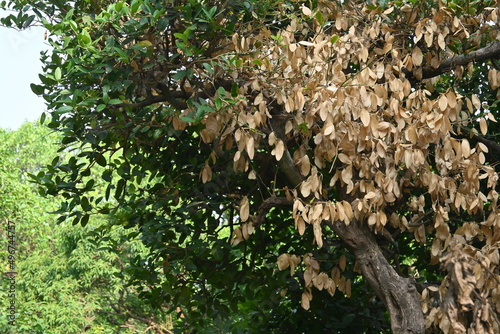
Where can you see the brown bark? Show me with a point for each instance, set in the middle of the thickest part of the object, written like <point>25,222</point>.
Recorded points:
<point>398,293</point>
<point>268,204</point>
<point>491,51</point>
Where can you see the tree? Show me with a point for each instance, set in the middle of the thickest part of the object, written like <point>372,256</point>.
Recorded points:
<point>235,134</point>
<point>68,279</point>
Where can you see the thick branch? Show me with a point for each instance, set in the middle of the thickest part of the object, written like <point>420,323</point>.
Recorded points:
<point>490,51</point>
<point>287,165</point>
<point>398,293</point>
<point>493,154</point>
<point>493,147</point>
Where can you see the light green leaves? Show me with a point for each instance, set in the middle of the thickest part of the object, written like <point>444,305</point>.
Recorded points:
<point>84,38</point>
<point>57,74</point>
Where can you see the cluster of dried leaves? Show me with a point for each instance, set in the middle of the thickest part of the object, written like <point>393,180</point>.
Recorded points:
<point>344,101</point>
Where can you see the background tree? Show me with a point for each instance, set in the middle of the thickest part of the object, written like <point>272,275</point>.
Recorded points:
<point>69,279</point>
<point>337,139</point>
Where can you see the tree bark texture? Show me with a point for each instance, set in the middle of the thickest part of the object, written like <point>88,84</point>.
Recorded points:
<point>491,51</point>
<point>398,293</point>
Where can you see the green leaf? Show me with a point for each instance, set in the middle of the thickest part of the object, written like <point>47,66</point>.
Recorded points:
<point>84,202</point>
<point>75,221</point>
<point>57,74</point>
<point>73,25</point>
<point>101,160</point>
<point>61,219</point>
<point>180,75</point>
<point>106,175</point>
<point>42,118</point>
<point>55,161</point>
<point>187,119</point>
<point>218,103</point>
<point>84,38</point>
<point>319,17</point>
<point>115,101</point>
<point>119,188</point>
<point>221,91</point>
<point>89,185</point>
<point>234,89</point>
<point>108,192</point>
<point>37,89</point>
<point>180,36</point>
<point>28,21</point>
<point>209,68</point>
<point>119,6</point>
<point>64,109</point>
<point>66,185</point>
<point>85,220</point>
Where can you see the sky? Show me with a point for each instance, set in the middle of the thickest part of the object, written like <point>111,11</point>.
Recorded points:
<point>20,66</point>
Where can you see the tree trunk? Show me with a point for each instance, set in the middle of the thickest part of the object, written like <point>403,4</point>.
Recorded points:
<point>398,293</point>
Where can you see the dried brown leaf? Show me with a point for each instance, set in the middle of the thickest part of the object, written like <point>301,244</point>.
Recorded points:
<point>417,56</point>
<point>244,209</point>
<point>365,117</point>
<point>483,126</point>
<point>305,301</point>
<point>279,150</point>
<point>283,261</point>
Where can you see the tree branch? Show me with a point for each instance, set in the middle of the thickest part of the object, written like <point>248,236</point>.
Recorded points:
<point>493,153</point>
<point>488,52</point>
<point>268,204</point>
<point>398,293</point>
<point>493,147</point>
<point>289,168</point>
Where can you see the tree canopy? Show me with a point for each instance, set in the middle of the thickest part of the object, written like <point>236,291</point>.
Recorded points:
<point>277,153</point>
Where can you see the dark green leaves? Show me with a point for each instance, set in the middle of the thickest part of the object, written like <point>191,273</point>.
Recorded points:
<point>37,89</point>
<point>234,89</point>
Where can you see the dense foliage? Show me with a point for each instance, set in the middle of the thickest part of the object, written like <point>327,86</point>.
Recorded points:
<point>344,141</point>
<point>68,279</point>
